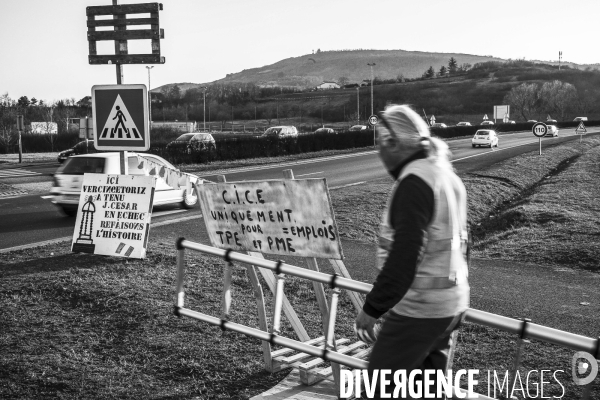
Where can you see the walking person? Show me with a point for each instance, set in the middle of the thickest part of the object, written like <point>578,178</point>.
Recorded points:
<point>121,118</point>
<point>422,286</point>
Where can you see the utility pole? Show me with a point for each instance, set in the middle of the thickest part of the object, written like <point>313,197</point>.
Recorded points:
<point>357,107</point>
<point>371,65</point>
<point>149,96</point>
<point>559,58</point>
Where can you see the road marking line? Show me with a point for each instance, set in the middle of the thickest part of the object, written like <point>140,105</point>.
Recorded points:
<point>493,151</point>
<point>47,197</point>
<point>160,213</point>
<point>313,173</point>
<point>69,238</point>
<point>350,184</point>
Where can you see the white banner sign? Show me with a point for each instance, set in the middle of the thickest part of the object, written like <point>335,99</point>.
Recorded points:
<point>113,216</point>
<point>502,112</point>
<point>288,217</point>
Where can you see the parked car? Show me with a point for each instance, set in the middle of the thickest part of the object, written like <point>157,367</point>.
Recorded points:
<point>485,137</point>
<point>487,123</point>
<point>552,130</point>
<point>325,130</point>
<point>439,125</point>
<point>84,147</point>
<point>68,179</point>
<point>281,132</point>
<point>463,124</point>
<point>355,128</point>
<point>194,142</point>
<point>578,119</point>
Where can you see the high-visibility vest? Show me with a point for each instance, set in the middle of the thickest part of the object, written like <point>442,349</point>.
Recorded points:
<point>440,288</point>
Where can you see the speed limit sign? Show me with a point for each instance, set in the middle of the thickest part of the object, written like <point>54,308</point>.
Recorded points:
<point>539,129</point>
<point>373,120</point>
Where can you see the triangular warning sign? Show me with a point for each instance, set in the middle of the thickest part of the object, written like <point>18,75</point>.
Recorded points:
<point>119,124</point>
<point>581,127</point>
<point>548,117</point>
<point>485,116</point>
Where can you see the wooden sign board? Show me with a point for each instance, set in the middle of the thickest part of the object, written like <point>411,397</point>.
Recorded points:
<point>120,34</point>
<point>291,217</point>
<point>113,216</point>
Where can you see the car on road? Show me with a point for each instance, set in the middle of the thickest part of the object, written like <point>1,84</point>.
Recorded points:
<point>578,119</point>
<point>193,142</point>
<point>510,122</point>
<point>329,131</point>
<point>356,128</point>
<point>439,125</point>
<point>68,179</point>
<point>531,120</point>
<point>485,137</point>
<point>487,123</point>
<point>463,124</point>
<point>550,121</point>
<point>281,132</point>
<point>552,130</point>
<point>83,147</point>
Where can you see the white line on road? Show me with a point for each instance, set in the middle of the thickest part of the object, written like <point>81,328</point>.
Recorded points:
<point>313,173</point>
<point>160,213</point>
<point>68,238</point>
<point>47,197</point>
<point>350,184</point>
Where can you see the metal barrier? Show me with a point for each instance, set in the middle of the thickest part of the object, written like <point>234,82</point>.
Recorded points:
<point>524,328</point>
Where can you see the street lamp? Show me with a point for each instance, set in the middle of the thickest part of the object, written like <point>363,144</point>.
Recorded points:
<point>149,96</point>
<point>204,109</point>
<point>371,65</point>
<point>322,124</point>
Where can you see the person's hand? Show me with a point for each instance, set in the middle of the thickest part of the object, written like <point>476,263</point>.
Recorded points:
<point>363,326</point>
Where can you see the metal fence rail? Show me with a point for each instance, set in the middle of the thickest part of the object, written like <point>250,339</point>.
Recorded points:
<point>523,328</point>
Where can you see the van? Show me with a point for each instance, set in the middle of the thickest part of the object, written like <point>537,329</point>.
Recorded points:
<point>580,119</point>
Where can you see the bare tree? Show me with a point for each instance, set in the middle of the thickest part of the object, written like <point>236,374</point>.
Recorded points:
<point>523,99</point>
<point>558,97</point>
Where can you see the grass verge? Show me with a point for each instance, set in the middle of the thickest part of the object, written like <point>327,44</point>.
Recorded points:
<point>77,326</point>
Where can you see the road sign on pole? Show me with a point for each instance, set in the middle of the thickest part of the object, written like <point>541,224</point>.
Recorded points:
<point>373,120</point>
<point>540,129</point>
<point>432,120</point>
<point>580,128</point>
<point>120,114</point>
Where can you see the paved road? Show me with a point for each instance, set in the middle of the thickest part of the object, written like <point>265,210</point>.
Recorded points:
<point>31,218</point>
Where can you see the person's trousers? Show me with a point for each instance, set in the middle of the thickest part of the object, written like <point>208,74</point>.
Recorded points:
<point>406,343</point>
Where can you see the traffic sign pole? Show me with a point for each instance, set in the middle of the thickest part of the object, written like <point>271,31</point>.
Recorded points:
<point>539,129</point>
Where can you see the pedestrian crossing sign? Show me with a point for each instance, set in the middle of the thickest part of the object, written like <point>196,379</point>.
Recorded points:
<point>120,115</point>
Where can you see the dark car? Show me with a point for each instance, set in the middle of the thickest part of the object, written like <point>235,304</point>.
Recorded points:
<point>84,147</point>
<point>194,142</point>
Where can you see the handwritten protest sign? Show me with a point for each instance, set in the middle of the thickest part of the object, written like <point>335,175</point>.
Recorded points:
<point>113,216</point>
<point>291,217</point>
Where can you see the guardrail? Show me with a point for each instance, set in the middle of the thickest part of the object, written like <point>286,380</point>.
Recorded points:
<point>523,328</point>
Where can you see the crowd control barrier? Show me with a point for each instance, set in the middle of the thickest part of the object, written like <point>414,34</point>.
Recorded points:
<point>523,328</point>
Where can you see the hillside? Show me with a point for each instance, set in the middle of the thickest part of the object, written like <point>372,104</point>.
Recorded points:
<point>310,70</point>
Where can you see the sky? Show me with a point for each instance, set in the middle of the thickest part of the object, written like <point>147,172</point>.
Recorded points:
<point>44,49</point>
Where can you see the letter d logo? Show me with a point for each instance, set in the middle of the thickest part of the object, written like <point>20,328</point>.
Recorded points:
<point>580,368</point>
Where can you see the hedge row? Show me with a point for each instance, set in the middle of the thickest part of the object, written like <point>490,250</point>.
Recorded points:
<point>241,147</point>
<point>238,146</point>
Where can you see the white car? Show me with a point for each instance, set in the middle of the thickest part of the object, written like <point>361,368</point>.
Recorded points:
<point>354,128</point>
<point>68,179</point>
<point>552,130</point>
<point>463,124</point>
<point>439,125</point>
<point>485,137</point>
<point>487,123</point>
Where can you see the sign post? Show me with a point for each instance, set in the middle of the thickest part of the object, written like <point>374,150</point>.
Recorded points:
<point>20,128</point>
<point>580,130</point>
<point>540,129</point>
<point>373,120</point>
